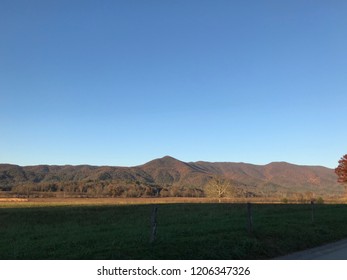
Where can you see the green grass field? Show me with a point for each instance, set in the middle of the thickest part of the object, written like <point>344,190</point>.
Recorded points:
<point>185,231</point>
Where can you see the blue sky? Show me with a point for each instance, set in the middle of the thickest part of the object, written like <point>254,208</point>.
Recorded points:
<point>124,82</point>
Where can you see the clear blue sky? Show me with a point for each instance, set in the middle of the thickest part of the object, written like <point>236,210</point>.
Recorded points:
<point>123,82</point>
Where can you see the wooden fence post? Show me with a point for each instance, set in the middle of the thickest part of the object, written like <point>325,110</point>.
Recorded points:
<point>154,224</point>
<point>249,218</point>
<point>312,211</point>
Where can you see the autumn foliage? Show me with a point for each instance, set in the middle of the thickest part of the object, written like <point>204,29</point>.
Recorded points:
<point>341,170</point>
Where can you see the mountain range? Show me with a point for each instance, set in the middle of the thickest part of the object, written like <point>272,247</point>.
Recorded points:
<point>168,172</point>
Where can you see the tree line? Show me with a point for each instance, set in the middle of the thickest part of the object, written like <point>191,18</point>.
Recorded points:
<point>99,188</point>
<point>217,187</point>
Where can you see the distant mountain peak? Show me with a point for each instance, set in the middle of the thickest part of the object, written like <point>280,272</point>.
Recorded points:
<point>169,158</point>
<point>166,161</point>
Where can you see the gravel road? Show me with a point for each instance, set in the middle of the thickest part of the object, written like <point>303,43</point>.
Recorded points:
<point>332,251</point>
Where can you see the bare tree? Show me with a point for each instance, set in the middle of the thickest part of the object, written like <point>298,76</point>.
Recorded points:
<point>219,187</point>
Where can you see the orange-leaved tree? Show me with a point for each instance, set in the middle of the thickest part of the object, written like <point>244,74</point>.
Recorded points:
<point>341,171</point>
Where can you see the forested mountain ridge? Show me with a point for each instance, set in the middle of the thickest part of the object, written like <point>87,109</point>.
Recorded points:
<point>169,177</point>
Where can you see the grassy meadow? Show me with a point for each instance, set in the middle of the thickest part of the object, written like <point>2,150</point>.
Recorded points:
<point>105,229</point>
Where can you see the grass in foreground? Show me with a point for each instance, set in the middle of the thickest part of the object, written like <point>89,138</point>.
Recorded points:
<point>185,231</point>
